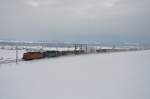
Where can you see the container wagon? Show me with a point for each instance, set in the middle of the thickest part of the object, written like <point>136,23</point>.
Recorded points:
<point>51,54</point>
<point>67,53</point>
<point>77,52</point>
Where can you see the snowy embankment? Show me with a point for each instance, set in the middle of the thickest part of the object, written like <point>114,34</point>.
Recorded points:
<point>9,55</point>
<point>99,76</point>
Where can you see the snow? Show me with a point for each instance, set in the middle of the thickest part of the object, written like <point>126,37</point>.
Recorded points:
<point>7,54</point>
<point>122,75</point>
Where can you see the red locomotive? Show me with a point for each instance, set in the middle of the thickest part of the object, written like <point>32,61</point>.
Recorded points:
<point>33,55</point>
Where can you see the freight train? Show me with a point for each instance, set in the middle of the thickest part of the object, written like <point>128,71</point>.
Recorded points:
<point>48,54</point>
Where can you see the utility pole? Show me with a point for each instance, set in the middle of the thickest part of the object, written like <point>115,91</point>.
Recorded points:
<point>86,48</point>
<point>75,49</point>
<point>16,55</point>
<point>56,48</point>
<point>80,48</point>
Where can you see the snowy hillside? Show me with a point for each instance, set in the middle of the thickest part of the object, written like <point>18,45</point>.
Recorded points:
<point>122,75</point>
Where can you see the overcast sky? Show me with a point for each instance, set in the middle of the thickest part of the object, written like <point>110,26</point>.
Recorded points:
<point>75,20</point>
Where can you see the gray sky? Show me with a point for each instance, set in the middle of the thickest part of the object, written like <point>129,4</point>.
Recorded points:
<point>74,20</point>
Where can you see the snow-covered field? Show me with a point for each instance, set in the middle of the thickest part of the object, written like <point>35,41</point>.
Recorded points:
<point>124,75</point>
